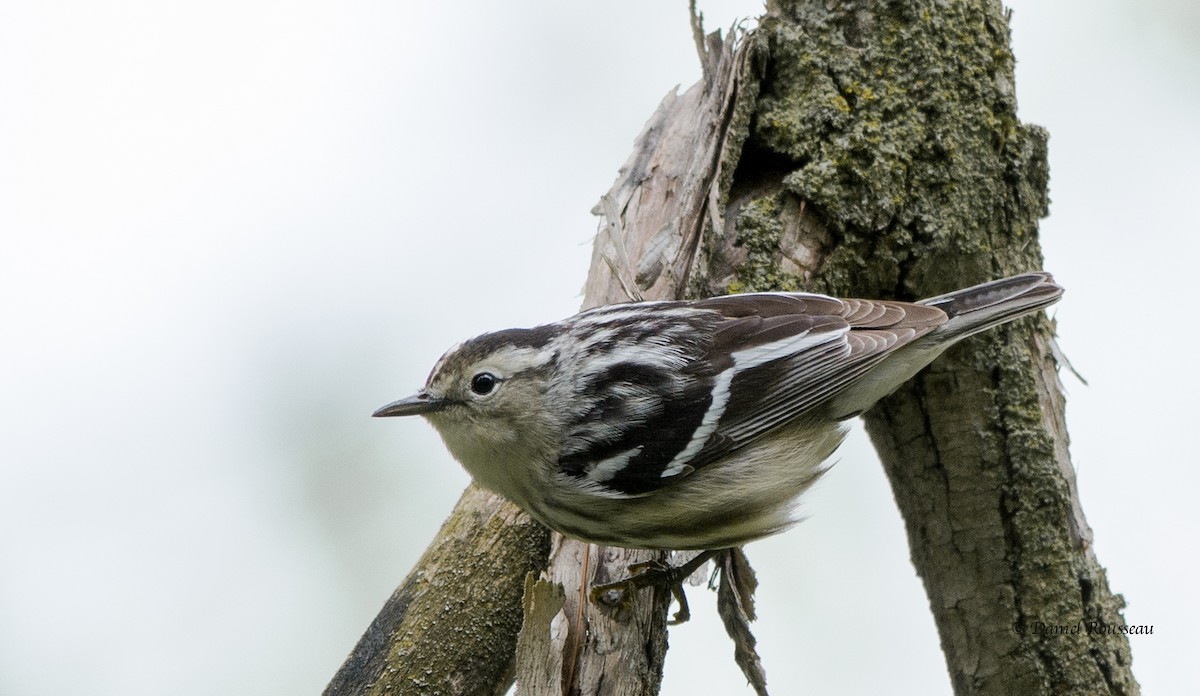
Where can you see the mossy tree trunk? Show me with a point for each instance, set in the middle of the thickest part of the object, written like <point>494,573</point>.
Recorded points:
<point>885,159</point>
<point>866,149</point>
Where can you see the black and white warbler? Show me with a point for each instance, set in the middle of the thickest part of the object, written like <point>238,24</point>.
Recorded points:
<point>690,424</point>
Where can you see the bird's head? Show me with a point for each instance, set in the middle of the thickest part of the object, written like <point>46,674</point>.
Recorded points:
<point>487,398</point>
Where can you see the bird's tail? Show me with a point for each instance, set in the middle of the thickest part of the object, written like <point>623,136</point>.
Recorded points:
<point>983,306</point>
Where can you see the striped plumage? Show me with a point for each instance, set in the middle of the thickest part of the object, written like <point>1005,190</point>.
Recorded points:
<point>693,424</point>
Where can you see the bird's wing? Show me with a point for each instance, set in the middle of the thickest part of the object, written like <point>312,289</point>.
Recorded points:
<point>776,375</point>
<point>747,364</point>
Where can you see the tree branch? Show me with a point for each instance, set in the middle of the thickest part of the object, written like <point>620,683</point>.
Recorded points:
<point>451,626</point>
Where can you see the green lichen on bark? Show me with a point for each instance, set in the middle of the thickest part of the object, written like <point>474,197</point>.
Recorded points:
<point>900,119</point>
<point>759,229</point>
<point>893,125</point>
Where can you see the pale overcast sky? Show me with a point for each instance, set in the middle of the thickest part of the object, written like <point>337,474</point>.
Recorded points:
<point>233,229</point>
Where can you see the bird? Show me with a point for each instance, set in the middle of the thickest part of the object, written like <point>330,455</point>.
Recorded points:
<point>688,424</point>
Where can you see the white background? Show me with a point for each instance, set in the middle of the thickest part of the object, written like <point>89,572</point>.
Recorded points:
<point>231,230</point>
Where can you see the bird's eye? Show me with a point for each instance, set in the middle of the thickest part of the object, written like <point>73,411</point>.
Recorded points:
<point>483,383</point>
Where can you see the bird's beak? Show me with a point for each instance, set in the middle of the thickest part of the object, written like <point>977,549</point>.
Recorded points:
<point>418,404</point>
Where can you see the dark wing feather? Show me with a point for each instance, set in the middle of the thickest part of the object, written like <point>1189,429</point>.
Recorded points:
<point>860,334</point>
<point>746,364</point>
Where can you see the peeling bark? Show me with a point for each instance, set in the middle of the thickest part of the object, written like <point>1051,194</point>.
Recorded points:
<point>653,219</point>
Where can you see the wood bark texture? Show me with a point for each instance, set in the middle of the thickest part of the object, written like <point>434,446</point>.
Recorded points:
<point>451,626</point>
